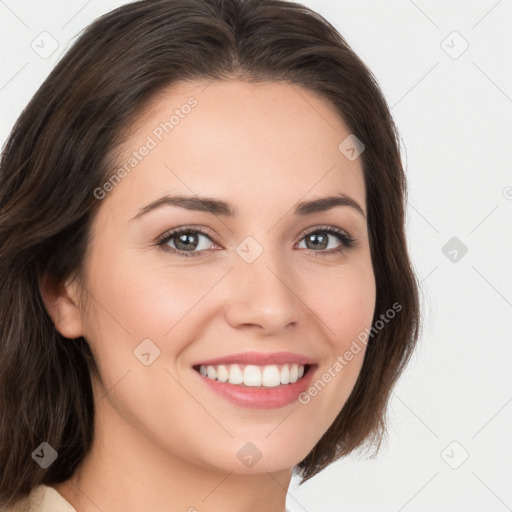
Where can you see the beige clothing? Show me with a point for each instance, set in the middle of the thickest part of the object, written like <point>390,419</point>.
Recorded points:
<point>43,499</point>
<point>46,499</point>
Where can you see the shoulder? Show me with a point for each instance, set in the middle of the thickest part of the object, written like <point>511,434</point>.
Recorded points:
<point>42,498</point>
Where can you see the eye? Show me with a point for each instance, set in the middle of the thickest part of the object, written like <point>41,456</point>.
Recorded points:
<point>190,241</point>
<point>320,239</point>
<point>185,240</point>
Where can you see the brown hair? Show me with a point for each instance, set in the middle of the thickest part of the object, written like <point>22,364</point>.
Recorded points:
<point>60,150</point>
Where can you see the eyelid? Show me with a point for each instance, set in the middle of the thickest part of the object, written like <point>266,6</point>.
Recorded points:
<point>325,227</point>
<point>189,227</point>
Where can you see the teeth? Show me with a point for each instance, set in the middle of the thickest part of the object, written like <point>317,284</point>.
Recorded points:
<point>235,374</point>
<point>285,375</point>
<point>251,375</point>
<point>211,372</point>
<point>222,373</point>
<point>271,376</point>
<point>294,373</point>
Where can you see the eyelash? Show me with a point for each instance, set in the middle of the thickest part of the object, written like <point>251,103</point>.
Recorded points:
<point>347,241</point>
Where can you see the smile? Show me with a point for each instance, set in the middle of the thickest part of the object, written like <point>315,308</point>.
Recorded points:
<point>253,375</point>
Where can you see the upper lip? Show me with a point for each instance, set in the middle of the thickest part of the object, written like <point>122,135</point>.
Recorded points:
<point>258,358</point>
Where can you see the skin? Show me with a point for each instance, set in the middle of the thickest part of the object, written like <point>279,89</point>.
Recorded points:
<point>163,440</point>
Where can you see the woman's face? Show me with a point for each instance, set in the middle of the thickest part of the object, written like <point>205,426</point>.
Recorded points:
<point>263,280</point>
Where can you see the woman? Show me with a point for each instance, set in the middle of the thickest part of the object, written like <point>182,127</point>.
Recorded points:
<point>206,284</point>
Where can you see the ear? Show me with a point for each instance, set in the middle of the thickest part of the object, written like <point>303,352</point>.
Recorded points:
<point>61,302</point>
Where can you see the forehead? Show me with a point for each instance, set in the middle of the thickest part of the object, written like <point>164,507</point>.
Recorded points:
<point>257,143</point>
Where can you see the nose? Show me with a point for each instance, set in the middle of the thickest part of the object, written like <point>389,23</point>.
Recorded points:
<point>262,295</point>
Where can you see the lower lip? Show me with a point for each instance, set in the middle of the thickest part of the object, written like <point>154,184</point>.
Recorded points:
<point>260,397</point>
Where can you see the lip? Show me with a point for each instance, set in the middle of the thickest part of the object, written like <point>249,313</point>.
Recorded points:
<point>261,397</point>
<point>258,359</point>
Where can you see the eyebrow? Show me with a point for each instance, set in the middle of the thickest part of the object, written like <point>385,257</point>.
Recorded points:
<point>219,207</point>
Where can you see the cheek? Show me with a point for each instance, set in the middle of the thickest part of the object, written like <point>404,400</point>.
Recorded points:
<point>148,301</point>
<point>345,303</point>
<point>345,309</point>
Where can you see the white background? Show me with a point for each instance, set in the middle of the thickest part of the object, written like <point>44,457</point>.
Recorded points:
<point>455,120</point>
